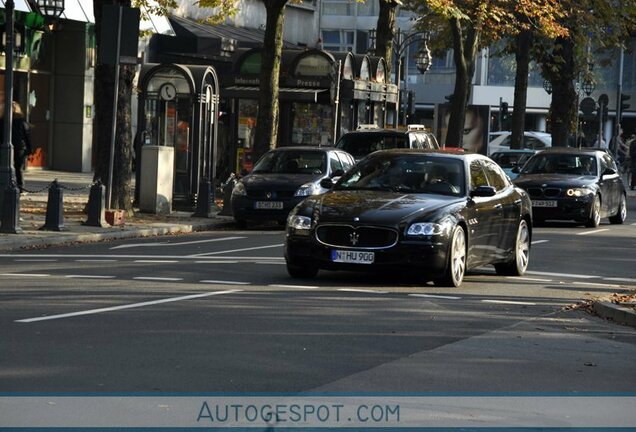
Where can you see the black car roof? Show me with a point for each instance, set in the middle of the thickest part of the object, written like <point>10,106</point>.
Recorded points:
<point>573,150</point>
<point>453,152</point>
<point>310,148</point>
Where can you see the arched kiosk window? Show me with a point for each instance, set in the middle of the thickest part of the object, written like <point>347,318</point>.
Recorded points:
<point>178,108</point>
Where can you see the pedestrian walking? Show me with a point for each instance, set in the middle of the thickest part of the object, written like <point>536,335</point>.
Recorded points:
<point>21,140</point>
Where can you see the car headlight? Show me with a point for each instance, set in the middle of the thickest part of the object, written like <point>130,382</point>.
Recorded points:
<point>302,224</point>
<point>578,192</point>
<point>423,229</point>
<point>239,189</point>
<point>308,189</point>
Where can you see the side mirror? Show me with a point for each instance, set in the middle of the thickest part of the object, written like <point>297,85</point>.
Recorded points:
<point>483,191</point>
<point>337,173</point>
<point>326,183</point>
<point>609,171</point>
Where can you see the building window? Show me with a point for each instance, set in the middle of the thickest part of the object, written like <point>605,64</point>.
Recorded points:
<point>368,8</point>
<point>337,7</point>
<point>338,40</point>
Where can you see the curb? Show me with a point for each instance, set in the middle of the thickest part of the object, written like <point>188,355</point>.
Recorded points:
<point>616,313</point>
<point>31,242</point>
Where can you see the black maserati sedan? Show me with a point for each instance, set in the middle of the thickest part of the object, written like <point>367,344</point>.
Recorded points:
<point>282,178</point>
<point>434,213</point>
<point>582,185</point>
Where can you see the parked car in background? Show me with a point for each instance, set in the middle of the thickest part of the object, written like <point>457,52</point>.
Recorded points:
<point>500,141</point>
<point>574,184</point>
<point>369,138</point>
<point>432,213</point>
<point>282,178</point>
<point>512,160</point>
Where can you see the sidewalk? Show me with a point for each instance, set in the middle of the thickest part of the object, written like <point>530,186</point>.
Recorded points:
<point>76,187</point>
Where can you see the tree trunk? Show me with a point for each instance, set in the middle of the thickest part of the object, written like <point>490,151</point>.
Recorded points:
<point>465,43</point>
<point>121,197</point>
<point>266,134</point>
<point>563,107</point>
<point>385,32</point>
<point>522,56</point>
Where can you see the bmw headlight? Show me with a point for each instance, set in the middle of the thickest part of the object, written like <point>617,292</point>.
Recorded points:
<point>301,224</point>
<point>308,189</point>
<point>578,192</point>
<point>424,229</point>
<point>239,189</point>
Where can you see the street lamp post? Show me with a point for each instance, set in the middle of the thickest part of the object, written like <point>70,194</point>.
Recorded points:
<point>423,62</point>
<point>9,193</point>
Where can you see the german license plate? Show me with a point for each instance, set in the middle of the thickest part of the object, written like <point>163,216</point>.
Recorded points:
<point>268,205</point>
<point>544,203</point>
<point>352,257</point>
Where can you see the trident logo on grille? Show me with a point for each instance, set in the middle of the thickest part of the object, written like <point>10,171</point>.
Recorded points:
<point>354,237</point>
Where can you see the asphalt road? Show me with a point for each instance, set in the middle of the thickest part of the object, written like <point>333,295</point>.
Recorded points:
<point>216,312</point>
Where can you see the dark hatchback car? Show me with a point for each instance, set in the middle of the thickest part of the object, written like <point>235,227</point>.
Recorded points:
<point>435,213</point>
<point>282,178</point>
<point>582,185</point>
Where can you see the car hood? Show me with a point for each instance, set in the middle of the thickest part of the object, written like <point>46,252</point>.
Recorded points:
<point>553,180</point>
<point>386,208</point>
<point>278,181</point>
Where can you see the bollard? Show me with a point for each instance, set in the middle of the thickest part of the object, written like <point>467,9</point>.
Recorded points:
<point>97,206</point>
<point>227,196</point>
<point>11,210</point>
<point>204,199</point>
<point>54,209</point>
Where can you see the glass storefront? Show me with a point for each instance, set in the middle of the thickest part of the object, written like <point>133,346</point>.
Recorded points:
<point>312,124</point>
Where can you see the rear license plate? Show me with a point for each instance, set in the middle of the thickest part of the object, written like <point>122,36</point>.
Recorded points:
<point>544,203</point>
<point>268,205</point>
<point>352,257</point>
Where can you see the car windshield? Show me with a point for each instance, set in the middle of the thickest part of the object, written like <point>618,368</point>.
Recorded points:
<point>510,160</point>
<point>573,164</point>
<point>413,173</point>
<point>361,144</point>
<point>292,162</point>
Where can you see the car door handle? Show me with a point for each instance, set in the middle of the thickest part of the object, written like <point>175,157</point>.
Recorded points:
<point>498,206</point>
<point>518,201</point>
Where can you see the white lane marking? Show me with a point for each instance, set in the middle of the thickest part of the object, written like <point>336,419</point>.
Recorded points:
<point>294,286</point>
<point>127,246</point>
<point>528,279</point>
<point>220,282</point>
<point>593,232</point>
<point>89,277</point>
<point>269,262</point>
<point>128,306</point>
<point>362,290</point>
<point>634,224</point>
<point>540,241</point>
<point>567,275</point>
<point>156,261</point>
<point>236,250</point>
<point>35,260</point>
<point>617,279</point>
<point>25,274</point>
<point>119,257</point>
<point>216,262</point>
<point>595,284</point>
<point>510,302</point>
<point>165,279</point>
<point>435,296</point>
<point>96,260</point>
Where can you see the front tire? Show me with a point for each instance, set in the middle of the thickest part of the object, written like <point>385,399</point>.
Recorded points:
<point>304,272</point>
<point>456,261</point>
<point>621,213</point>
<point>595,213</point>
<point>519,264</point>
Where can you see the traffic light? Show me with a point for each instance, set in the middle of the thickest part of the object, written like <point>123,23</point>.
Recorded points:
<point>504,111</point>
<point>624,104</point>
